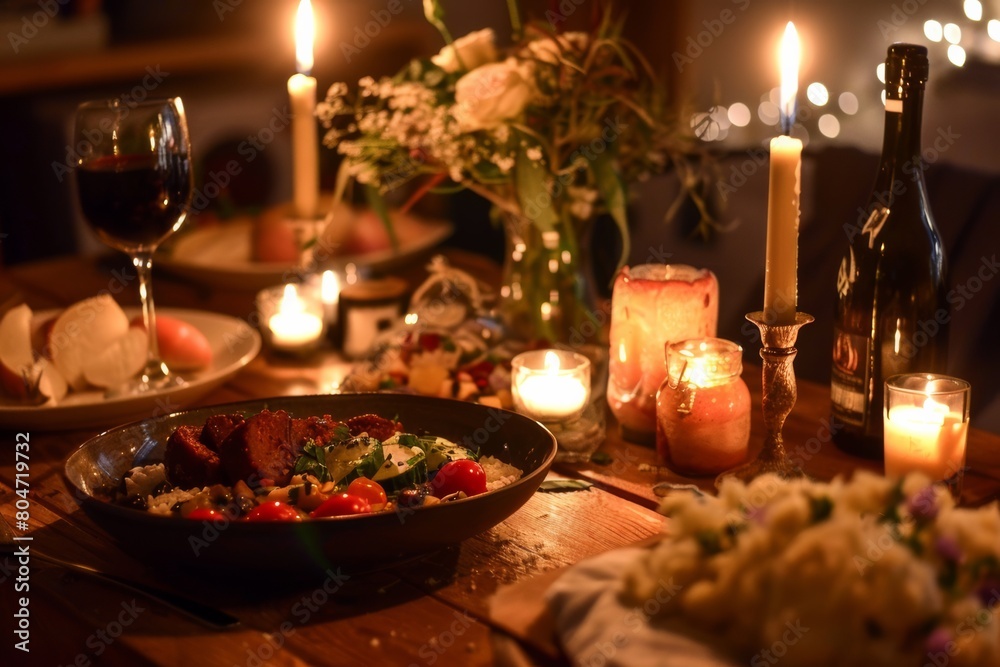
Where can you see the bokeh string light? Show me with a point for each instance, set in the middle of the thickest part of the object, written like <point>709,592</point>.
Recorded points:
<point>958,41</point>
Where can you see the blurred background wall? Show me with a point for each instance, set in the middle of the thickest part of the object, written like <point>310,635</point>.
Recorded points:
<point>231,59</point>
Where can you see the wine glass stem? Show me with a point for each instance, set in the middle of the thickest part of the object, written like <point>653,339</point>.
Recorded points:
<point>155,368</point>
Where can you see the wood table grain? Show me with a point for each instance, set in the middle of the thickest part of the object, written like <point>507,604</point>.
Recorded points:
<point>432,611</point>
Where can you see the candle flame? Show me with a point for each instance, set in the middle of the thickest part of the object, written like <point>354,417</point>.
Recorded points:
<point>934,408</point>
<point>305,35</point>
<point>290,301</point>
<point>789,55</point>
<point>552,365</point>
<point>694,371</point>
<point>329,287</point>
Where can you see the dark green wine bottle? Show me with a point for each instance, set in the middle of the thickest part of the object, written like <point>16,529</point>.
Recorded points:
<point>892,313</point>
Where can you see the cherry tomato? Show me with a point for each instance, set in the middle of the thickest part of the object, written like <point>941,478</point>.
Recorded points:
<point>274,511</point>
<point>463,475</point>
<point>341,504</point>
<point>205,514</point>
<point>370,490</point>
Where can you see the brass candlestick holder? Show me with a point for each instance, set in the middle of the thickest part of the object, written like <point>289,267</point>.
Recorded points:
<point>779,396</point>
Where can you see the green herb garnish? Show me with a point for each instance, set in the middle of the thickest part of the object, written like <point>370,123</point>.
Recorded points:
<point>313,461</point>
<point>552,485</point>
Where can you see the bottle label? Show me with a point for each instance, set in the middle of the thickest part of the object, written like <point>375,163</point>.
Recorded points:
<point>849,383</point>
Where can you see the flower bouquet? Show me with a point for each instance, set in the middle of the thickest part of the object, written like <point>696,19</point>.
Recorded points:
<point>551,130</point>
<point>874,571</point>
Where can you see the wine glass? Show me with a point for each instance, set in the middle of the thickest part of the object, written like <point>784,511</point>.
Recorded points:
<point>134,184</point>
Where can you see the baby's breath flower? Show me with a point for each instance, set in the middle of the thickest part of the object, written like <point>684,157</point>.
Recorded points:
<point>874,585</point>
<point>338,89</point>
<point>472,109</point>
<point>505,163</point>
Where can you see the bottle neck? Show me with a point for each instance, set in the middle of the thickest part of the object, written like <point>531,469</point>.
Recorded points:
<point>901,141</point>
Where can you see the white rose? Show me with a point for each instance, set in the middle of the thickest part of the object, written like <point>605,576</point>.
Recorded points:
<point>489,95</point>
<point>473,50</point>
<point>548,50</point>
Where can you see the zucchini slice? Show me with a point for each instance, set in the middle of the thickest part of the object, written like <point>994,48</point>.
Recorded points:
<point>440,451</point>
<point>402,467</point>
<point>357,457</point>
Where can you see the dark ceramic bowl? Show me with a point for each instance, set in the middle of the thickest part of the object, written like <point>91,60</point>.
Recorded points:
<point>311,547</point>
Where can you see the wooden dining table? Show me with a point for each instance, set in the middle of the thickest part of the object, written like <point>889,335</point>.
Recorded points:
<point>436,610</point>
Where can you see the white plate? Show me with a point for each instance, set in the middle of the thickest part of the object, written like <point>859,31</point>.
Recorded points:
<point>221,255</point>
<point>234,345</point>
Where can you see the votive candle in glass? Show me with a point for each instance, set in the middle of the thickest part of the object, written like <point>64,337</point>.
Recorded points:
<point>703,407</point>
<point>550,385</point>
<point>291,322</point>
<point>652,305</point>
<point>926,426</point>
<point>327,286</point>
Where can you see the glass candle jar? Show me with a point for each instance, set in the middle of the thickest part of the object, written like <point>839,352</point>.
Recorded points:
<point>652,305</point>
<point>550,385</point>
<point>291,318</point>
<point>703,407</point>
<point>367,309</point>
<point>926,421</point>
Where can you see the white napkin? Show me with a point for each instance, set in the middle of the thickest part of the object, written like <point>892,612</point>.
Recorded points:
<point>597,628</point>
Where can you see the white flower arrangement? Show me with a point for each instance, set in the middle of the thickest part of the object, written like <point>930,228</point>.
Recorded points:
<point>867,572</point>
<point>553,128</point>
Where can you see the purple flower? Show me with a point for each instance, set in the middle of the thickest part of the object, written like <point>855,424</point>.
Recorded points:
<point>989,593</point>
<point>757,514</point>
<point>947,547</point>
<point>923,505</point>
<point>937,642</point>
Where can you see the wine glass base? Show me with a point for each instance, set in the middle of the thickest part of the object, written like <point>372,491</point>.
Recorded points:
<point>155,378</point>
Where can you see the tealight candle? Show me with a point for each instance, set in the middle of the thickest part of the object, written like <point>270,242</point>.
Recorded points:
<point>327,286</point>
<point>550,385</point>
<point>292,323</point>
<point>926,426</point>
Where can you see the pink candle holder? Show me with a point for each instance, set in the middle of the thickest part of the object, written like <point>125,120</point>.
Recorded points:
<point>703,407</point>
<point>652,305</point>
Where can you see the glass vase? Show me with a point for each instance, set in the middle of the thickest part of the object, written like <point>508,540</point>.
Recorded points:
<point>546,295</point>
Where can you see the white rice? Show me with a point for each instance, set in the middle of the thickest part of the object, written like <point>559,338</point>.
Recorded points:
<point>498,473</point>
<point>141,481</point>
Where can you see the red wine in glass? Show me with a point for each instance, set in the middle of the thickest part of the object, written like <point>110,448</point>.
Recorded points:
<point>134,200</point>
<point>134,184</point>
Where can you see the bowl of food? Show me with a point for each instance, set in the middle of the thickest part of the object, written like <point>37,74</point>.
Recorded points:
<point>298,486</point>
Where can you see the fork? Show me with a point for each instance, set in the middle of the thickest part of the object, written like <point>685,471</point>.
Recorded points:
<point>209,616</point>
